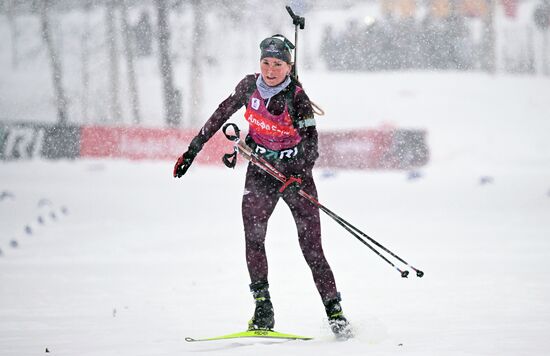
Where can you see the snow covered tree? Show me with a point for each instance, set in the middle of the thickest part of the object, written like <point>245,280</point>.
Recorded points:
<point>196,60</point>
<point>115,109</point>
<point>55,61</point>
<point>130,68</point>
<point>172,96</point>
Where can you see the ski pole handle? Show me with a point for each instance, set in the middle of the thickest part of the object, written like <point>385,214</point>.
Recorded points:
<point>237,136</point>
<point>230,159</point>
<point>296,20</point>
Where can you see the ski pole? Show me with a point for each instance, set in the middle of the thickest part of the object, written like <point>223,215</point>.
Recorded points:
<point>261,163</point>
<point>297,21</point>
<point>264,165</point>
<point>300,22</point>
<point>348,226</point>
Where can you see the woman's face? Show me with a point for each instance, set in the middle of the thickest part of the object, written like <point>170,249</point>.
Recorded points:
<point>274,71</point>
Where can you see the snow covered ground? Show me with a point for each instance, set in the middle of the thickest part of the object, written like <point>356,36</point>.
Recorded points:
<point>142,260</point>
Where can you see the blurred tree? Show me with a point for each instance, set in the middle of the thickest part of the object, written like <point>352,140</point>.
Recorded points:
<point>12,20</point>
<point>143,35</point>
<point>116,112</point>
<point>172,96</point>
<point>57,74</point>
<point>129,55</point>
<point>488,62</point>
<point>197,58</point>
<point>541,17</point>
<point>85,59</point>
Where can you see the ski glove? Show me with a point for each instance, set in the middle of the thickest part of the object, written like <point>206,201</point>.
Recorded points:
<point>183,163</point>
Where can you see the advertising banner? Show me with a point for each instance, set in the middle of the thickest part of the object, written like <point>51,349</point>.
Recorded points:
<point>357,149</point>
<point>385,148</point>
<point>147,143</point>
<point>32,140</point>
<point>373,149</point>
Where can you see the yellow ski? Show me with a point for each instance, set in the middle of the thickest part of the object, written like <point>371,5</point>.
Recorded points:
<point>268,334</point>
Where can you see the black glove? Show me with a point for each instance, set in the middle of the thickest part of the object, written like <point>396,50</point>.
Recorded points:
<point>184,162</point>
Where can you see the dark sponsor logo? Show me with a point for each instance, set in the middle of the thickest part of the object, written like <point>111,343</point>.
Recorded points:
<point>28,140</point>
<point>20,142</point>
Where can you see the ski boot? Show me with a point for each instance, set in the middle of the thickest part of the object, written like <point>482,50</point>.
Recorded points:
<point>336,319</point>
<point>263,317</point>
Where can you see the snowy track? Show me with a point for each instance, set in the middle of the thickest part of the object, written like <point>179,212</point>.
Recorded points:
<point>143,260</point>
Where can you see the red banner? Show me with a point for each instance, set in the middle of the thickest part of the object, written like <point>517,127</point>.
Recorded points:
<point>147,143</point>
<point>357,149</point>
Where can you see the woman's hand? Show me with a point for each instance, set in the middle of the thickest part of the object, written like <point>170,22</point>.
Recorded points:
<point>183,163</point>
